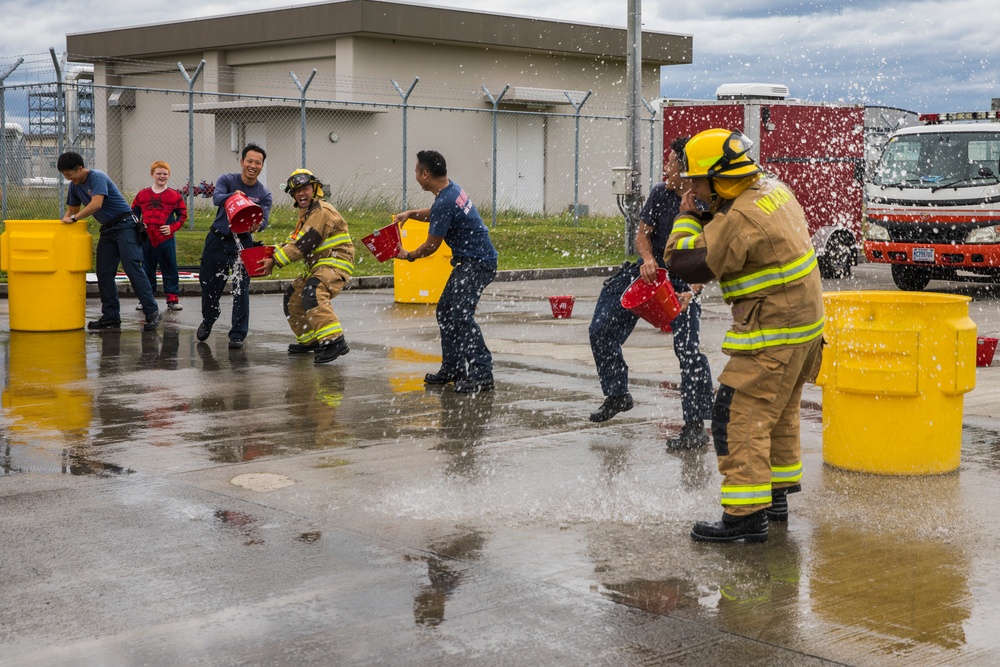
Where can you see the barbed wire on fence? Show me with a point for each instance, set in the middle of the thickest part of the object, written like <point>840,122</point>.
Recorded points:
<point>360,135</point>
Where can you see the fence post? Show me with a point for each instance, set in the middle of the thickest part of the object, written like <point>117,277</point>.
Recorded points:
<point>302,91</point>
<point>3,141</point>
<point>576,156</point>
<point>495,102</point>
<point>190,81</point>
<point>652,141</point>
<point>406,98</point>
<point>60,125</point>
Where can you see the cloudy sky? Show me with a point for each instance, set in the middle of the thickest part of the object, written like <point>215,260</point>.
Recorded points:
<point>923,55</point>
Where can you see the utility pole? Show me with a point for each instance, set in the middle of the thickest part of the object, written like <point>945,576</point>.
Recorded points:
<point>632,204</point>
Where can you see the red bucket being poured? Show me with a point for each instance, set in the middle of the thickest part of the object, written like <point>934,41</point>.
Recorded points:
<point>656,303</point>
<point>384,243</point>
<point>243,214</point>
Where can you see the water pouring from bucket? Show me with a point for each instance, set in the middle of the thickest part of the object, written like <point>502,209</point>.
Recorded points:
<point>657,303</point>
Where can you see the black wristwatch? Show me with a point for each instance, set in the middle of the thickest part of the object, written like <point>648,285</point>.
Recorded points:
<point>409,256</point>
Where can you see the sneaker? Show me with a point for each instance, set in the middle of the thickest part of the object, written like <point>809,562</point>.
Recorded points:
<point>441,377</point>
<point>299,348</point>
<point>692,436</point>
<point>612,405</point>
<point>174,305</point>
<point>471,386</point>
<point>204,331</point>
<point>152,321</point>
<point>235,344</point>
<point>750,528</point>
<point>329,350</point>
<point>104,324</point>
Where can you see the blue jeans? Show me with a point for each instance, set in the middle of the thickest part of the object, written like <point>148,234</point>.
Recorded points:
<point>218,260</point>
<point>118,244</point>
<point>164,255</point>
<point>463,350</point>
<point>612,325</point>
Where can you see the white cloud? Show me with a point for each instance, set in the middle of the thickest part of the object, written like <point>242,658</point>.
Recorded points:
<point>923,55</point>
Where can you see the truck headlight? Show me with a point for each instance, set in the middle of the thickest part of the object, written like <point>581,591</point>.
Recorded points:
<point>875,232</point>
<point>983,235</point>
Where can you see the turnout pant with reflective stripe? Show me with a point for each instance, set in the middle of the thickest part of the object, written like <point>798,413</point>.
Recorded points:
<point>755,424</point>
<point>308,309</point>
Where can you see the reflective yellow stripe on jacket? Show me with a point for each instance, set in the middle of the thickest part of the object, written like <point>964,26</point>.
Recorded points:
<point>333,242</point>
<point>341,264</point>
<point>688,226</point>
<point>762,338</point>
<point>779,275</point>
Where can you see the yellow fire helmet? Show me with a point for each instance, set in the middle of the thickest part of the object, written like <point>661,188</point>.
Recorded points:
<point>718,153</point>
<point>302,177</point>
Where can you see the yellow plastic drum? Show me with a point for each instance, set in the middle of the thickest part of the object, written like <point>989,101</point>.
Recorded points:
<point>895,369</point>
<point>423,280</point>
<point>46,263</point>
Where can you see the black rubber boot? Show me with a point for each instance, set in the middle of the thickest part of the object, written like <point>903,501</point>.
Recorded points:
<point>692,436</point>
<point>750,528</point>
<point>331,349</point>
<point>441,377</point>
<point>612,405</point>
<point>299,348</point>
<point>778,511</point>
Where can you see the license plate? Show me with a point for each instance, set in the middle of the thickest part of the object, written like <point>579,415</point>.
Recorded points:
<point>923,254</point>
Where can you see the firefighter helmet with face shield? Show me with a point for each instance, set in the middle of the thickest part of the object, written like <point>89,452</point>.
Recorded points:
<point>718,153</point>
<point>303,177</point>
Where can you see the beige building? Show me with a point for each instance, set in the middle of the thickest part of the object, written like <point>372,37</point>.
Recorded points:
<point>354,113</point>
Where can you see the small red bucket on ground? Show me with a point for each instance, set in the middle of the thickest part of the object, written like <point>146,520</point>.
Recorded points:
<point>656,303</point>
<point>251,256</point>
<point>243,214</point>
<point>985,348</point>
<point>562,306</point>
<point>384,243</point>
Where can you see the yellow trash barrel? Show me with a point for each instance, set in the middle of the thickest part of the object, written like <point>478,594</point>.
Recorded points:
<point>895,369</point>
<point>46,263</point>
<point>423,280</point>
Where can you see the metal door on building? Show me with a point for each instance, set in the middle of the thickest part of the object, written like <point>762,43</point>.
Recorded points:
<point>521,163</point>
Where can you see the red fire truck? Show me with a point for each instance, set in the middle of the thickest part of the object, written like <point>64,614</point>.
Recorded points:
<point>817,149</point>
<point>933,203</point>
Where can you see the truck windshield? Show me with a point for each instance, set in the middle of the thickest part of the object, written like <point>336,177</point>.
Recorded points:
<point>940,160</point>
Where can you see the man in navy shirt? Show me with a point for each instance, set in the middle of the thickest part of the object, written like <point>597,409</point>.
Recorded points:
<point>612,324</point>
<point>465,359</point>
<point>220,255</point>
<point>91,192</point>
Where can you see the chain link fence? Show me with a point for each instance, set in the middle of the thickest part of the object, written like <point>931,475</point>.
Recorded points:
<point>547,156</point>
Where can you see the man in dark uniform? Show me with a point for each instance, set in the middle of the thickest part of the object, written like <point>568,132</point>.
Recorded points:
<point>612,324</point>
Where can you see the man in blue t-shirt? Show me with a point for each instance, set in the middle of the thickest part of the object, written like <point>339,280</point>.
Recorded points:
<point>91,192</point>
<point>220,255</point>
<point>465,359</point>
<point>612,324</point>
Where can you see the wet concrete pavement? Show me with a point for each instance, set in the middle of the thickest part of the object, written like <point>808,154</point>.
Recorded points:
<point>167,502</point>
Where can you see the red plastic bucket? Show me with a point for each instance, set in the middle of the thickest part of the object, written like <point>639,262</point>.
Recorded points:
<point>384,243</point>
<point>243,214</point>
<point>251,256</point>
<point>656,303</point>
<point>562,306</point>
<point>985,348</point>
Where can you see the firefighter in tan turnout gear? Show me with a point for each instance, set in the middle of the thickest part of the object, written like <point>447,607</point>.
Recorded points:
<point>755,242</point>
<point>322,241</point>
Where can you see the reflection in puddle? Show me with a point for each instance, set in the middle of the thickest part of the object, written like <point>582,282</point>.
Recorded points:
<point>243,524</point>
<point>444,570</point>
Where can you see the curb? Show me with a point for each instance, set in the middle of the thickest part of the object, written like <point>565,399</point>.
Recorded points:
<point>371,282</point>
